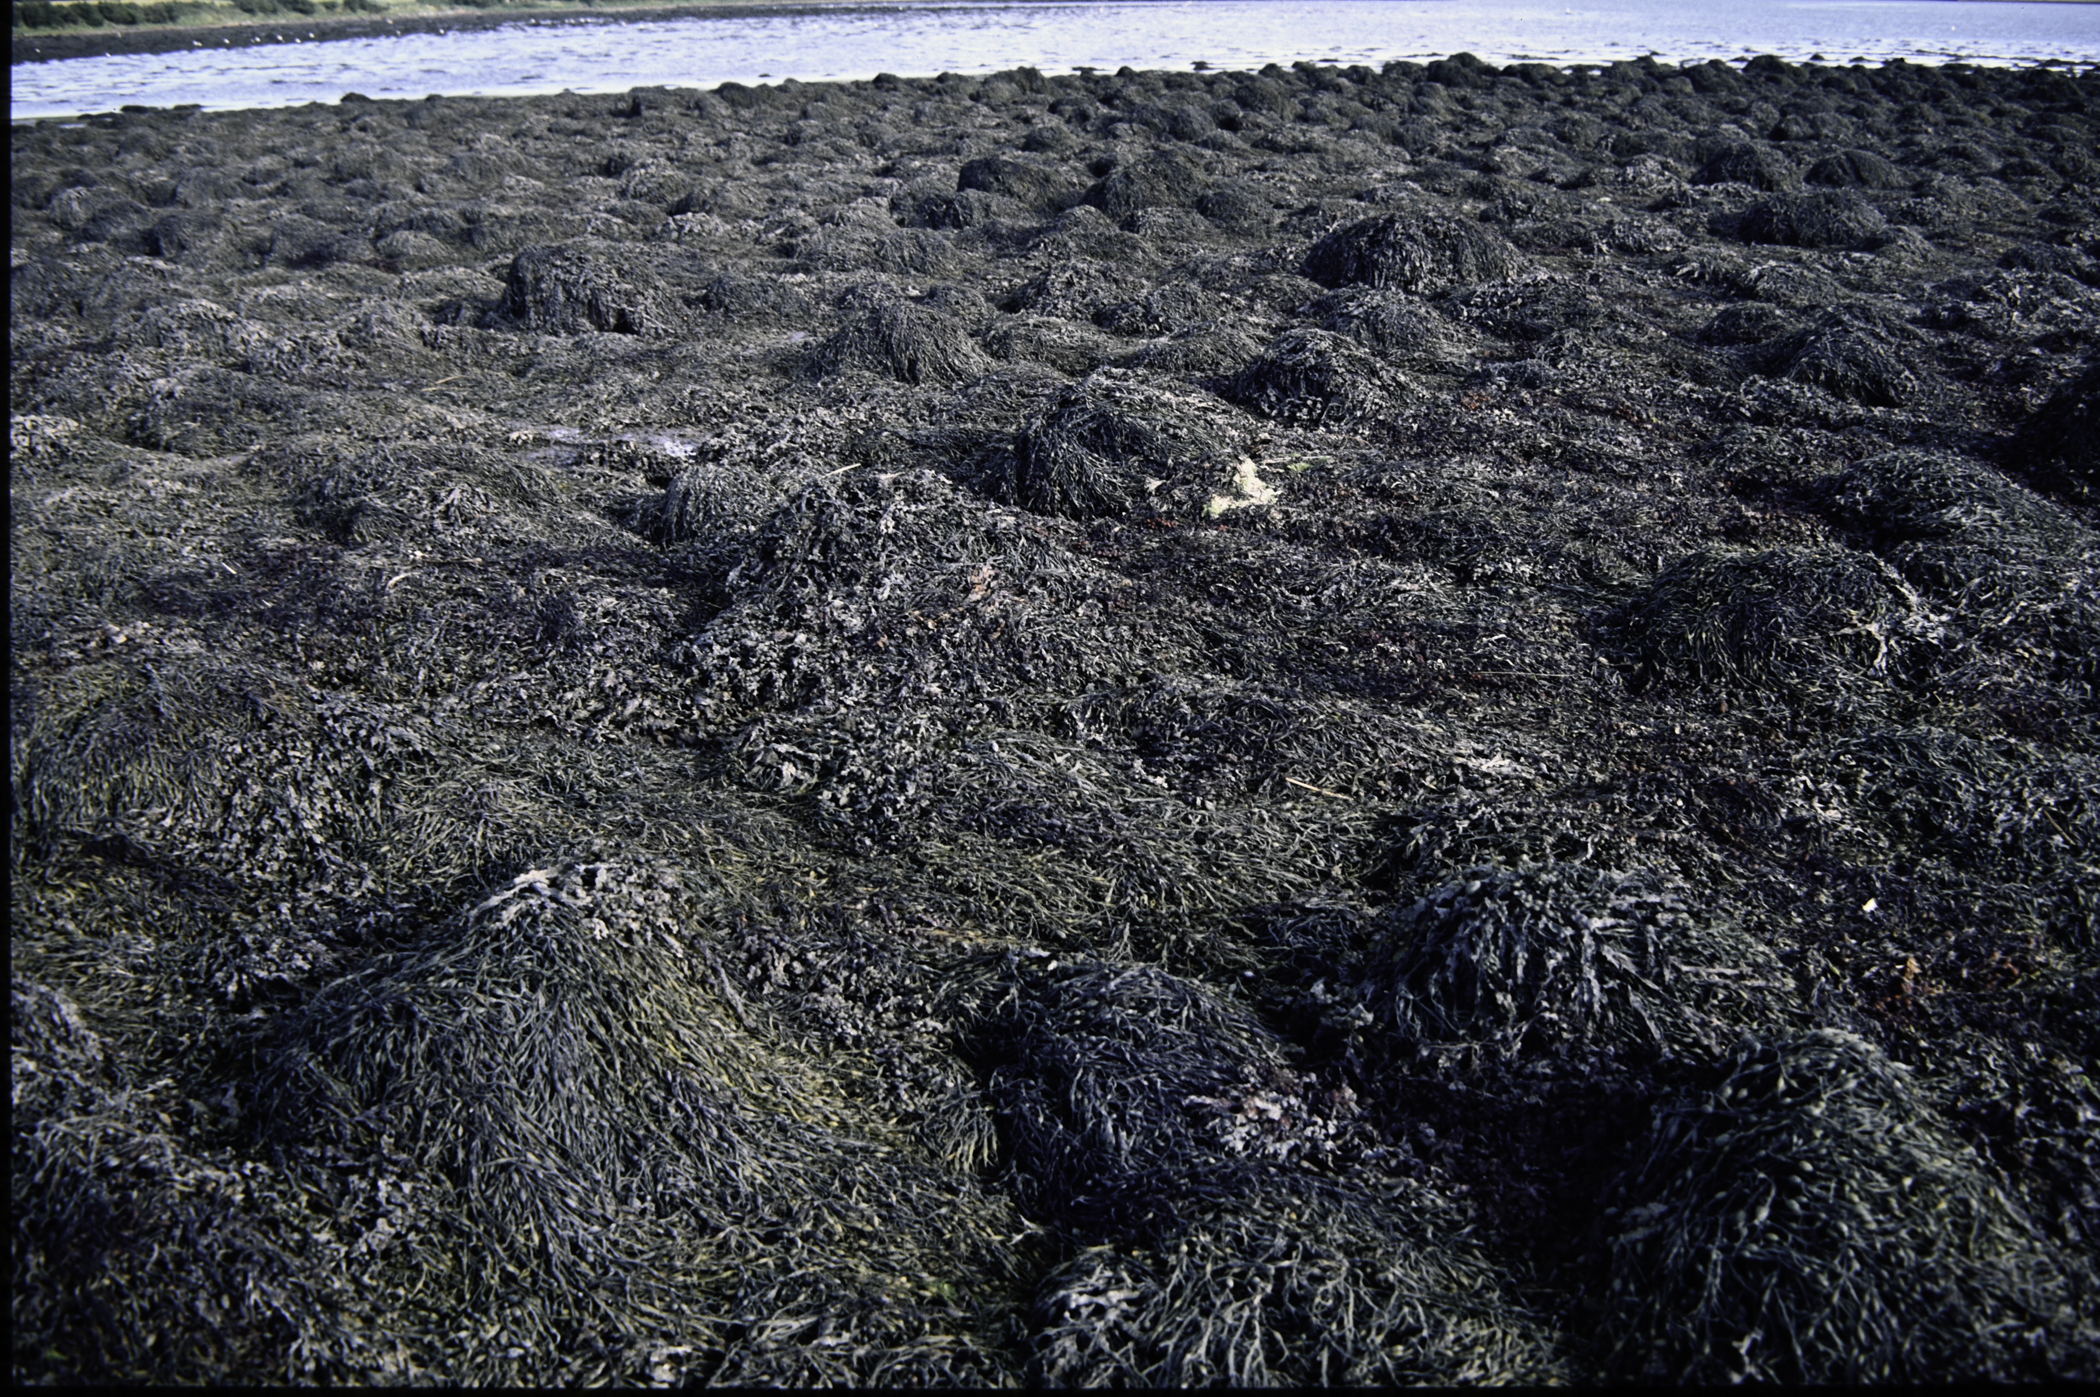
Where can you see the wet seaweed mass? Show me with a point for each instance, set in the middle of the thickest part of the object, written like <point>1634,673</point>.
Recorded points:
<point>1316,726</point>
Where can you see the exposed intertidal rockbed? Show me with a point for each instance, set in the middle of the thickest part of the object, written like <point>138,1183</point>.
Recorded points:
<point>1305,726</point>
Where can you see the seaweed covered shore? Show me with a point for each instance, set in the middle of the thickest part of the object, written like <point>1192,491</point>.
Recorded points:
<point>1322,725</point>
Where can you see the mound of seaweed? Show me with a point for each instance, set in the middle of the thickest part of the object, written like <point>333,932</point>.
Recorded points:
<point>2056,444</point>
<point>564,1055</point>
<point>1160,311</point>
<point>1137,1107</point>
<point>1418,252</point>
<point>113,1211</point>
<point>1748,162</point>
<point>568,1065</point>
<point>1033,183</point>
<point>1057,343</point>
<point>1157,179</point>
<point>208,764</point>
<point>1812,1220</point>
<point>1960,529</point>
<point>1319,379</point>
<point>1099,444</point>
<point>1847,358</point>
<point>570,289</point>
<point>1322,1287</point>
<point>1856,169</point>
<point>2012,567</point>
<point>711,499</point>
<point>1390,323</point>
<point>1834,219</point>
<point>1099,1078</point>
<point>1975,803</point>
<point>1553,960</point>
<point>1211,350</point>
<point>1076,288</point>
<point>1792,619</point>
<point>1911,496</point>
<point>912,341</point>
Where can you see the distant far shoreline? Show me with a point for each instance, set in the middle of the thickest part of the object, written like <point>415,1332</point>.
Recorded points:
<point>219,24</point>
<point>225,26</point>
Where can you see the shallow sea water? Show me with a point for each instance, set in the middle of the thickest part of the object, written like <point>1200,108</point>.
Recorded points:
<point>590,54</point>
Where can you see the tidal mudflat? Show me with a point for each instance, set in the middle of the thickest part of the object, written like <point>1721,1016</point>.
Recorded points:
<point>1317,725</point>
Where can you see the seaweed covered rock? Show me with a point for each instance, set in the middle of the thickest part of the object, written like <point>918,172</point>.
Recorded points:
<point>1206,351</point>
<point>563,1046</point>
<point>1049,137</point>
<point>902,251</point>
<point>1792,619</point>
<point>1083,231</point>
<point>198,330</point>
<point>1426,842</point>
<point>1750,322</point>
<point>1157,179</point>
<point>1390,322</point>
<point>113,1210</point>
<point>1319,378</point>
<point>1856,169</point>
<point>1977,804</point>
<point>357,492</point>
<point>194,236</point>
<point>1835,218</point>
<point>355,497</point>
<point>1554,960</point>
<point>1097,1076</point>
<point>714,499</point>
<point>1326,1287</point>
<point>183,766</point>
<point>2060,444</point>
<point>77,208</point>
<point>963,208</point>
<point>1076,289</point>
<point>1899,496</point>
<point>1849,357</point>
<point>738,296</point>
<point>1418,252</point>
<point>304,242</point>
<point>1637,234</point>
<point>1959,528</point>
<point>1811,1220</point>
<point>1092,453</point>
<point>915,341</point>
<point>822,602</point>
<point>1751,163</point>
<point>568,289</point>
<point>60,1067</point>
<point>1237,208</point>
<point>567,1075</point>
<point>1034,184</point>
<point>1070,347</point>
<point>1161,310</point>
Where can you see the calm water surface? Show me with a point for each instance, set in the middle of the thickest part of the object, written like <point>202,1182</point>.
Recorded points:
<point>601,55</point>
